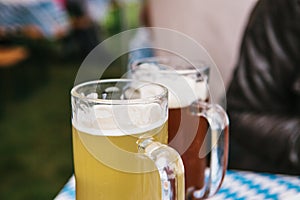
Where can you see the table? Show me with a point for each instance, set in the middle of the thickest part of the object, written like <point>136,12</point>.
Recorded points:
<point>237,185</point>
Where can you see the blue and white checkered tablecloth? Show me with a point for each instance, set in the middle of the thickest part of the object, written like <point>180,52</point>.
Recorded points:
<point>237,185</point>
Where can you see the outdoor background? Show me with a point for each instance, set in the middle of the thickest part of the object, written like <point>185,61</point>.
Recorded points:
<point>35,112</point>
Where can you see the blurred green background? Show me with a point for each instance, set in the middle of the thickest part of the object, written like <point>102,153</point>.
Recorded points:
<point>35,126</point>
<point>35,143</point>
<point>35,112</point>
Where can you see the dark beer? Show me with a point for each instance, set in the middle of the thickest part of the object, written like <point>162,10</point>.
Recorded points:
<point>186,134</point>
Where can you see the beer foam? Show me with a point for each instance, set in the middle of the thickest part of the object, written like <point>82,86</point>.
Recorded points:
<point>118,120</point>
<point>183,89</point>
<point>143,91</point>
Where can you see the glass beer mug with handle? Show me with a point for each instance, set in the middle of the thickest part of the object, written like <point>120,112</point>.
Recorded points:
<point>119,136</point>
<point>197,129</point>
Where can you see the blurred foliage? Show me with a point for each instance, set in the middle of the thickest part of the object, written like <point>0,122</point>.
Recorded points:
<point>121,16</point>
<point>35,145</point>
<point>35,123</point>
<point>35,112</point>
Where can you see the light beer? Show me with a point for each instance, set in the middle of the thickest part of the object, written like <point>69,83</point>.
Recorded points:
<point>94,150</point>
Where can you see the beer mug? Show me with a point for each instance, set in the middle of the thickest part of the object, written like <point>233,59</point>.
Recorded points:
<point>119,142</point>
<point>197,129</point>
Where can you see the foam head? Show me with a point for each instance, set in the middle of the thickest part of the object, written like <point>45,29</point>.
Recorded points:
<point>183,84</point>
<point>133,112</point>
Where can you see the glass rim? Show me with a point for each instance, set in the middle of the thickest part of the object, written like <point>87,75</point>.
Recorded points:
<point>203,68</point>
<point>151,99</point>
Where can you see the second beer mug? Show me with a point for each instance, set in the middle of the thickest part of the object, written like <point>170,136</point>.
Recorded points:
<point>119,137</point>
<point>197,129</point>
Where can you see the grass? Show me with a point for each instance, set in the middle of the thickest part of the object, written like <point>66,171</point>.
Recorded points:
<point>35,120</point>
<point>35,145</point>
<point>35,128</point>
<point>35,123</point>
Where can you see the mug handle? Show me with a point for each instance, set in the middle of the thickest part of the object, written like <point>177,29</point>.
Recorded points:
<point>169,165</point>
<point>216,143</point>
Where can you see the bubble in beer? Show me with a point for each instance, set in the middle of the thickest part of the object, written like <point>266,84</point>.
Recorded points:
<point>112,89</point>
<point>132,93</point>
<point>149,66</point>
<point>111,93</point>
<point>92,95</point>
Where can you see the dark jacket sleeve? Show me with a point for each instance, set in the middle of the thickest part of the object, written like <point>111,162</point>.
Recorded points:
<point>264,95</point>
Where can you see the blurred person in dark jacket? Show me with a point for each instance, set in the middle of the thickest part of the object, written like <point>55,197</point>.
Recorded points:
<point>264,95</point>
